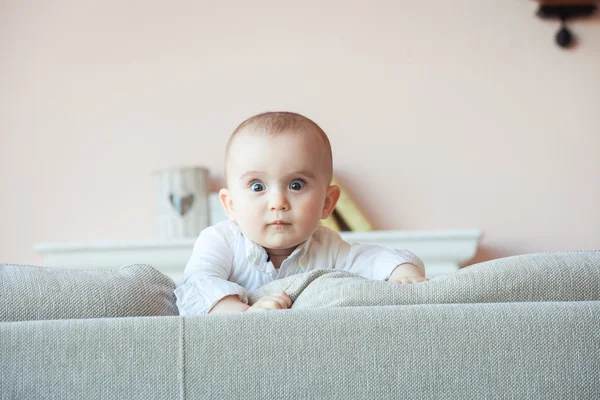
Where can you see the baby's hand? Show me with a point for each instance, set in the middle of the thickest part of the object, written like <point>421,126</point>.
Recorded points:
<point>406,273</point>
<point>279,301</point>
<point>407,279</point>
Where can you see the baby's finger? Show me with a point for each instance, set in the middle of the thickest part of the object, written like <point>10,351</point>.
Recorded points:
<point>283,299</point>
<point>264,305</point>
<point>416,280</point>
<point>287,298</point>
<point>420,279</point>
<point>277,302</point>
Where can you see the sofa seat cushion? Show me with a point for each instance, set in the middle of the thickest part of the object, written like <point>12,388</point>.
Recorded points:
<point>44,293</point>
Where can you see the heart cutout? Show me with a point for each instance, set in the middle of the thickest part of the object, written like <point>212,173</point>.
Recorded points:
<point>182,204</point>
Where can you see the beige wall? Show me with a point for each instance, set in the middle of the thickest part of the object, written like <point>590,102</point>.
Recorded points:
<point>451,115</point>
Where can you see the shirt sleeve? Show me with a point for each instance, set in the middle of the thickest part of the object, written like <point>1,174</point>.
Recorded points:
<point>374,262</point>
<point>205,276</point>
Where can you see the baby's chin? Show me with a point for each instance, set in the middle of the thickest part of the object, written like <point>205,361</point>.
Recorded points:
<point>280,242</point>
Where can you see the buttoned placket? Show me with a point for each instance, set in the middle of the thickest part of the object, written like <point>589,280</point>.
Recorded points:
<point>257,256</point>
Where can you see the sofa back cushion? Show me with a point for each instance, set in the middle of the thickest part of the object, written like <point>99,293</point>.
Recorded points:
<point>44,293</point>
<point>555,276</point>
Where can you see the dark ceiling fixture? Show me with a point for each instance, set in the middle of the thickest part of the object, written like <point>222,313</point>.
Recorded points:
<point>564,10</point>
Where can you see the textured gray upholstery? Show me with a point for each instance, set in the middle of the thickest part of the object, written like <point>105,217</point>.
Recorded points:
<point>37,293</point>
<point>524,350</point>
<point>564,276</point>
<point>491,346</point>
<point>546,350</point>
<point>117,358</point>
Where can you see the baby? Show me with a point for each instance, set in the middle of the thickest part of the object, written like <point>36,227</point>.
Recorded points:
<point>278,169</point>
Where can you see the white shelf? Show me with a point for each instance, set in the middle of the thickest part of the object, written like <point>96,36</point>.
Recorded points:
<point>441,251</point>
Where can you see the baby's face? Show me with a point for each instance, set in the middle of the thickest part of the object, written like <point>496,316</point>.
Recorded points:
<point>277,188</point>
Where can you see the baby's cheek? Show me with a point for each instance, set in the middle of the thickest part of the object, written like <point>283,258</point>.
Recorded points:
<point>257,213</point>
<point>311,208</point>
<point>250,207</point>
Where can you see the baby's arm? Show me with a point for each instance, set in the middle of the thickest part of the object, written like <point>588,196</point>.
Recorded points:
<point>381,263</point>
<point>230,303</point>
<point>205,277</point>
<point>277,301</point>
<point>407,273</point>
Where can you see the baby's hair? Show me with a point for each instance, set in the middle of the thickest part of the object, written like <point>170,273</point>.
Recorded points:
<point>274,123</point>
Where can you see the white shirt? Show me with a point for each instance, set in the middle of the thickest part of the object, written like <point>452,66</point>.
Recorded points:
<point>224,262</point>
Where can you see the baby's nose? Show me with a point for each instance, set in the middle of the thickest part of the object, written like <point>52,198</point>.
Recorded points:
<point>278,201</point>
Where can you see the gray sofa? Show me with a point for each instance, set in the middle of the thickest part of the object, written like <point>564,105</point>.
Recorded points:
<point>523,327</point>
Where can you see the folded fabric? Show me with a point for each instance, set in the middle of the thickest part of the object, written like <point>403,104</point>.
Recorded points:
<point>560,276</point>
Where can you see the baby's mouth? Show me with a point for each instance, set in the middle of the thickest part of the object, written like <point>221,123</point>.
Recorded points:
<point>279,223</point>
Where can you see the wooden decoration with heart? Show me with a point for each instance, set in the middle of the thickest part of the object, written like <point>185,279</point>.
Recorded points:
<point>181,201</point>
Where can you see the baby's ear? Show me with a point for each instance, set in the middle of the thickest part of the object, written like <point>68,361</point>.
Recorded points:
<point>227,203</point>
<point>333,195</point>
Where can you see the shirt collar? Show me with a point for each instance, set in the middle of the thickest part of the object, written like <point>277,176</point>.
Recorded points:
<point>257,255</point>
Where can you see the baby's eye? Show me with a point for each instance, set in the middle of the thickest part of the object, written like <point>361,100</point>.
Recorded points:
<point>257,186</point>
<point>297,184</point>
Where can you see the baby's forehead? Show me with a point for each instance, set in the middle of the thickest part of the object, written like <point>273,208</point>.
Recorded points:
<point>292,141</point>
<point>288,148</point>
<point>278,157</point>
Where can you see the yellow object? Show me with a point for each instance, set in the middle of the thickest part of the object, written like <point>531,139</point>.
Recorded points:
<point>350,213</point>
